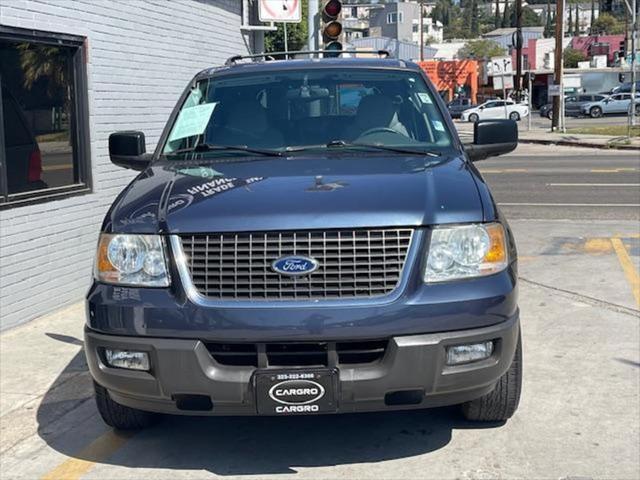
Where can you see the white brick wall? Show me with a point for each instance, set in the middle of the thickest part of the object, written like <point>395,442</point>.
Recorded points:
<point>141,54</point>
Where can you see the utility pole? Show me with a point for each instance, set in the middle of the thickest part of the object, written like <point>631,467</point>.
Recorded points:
<point>422,32</point>
<point>518,45</point>
<point>558,67</point>
<point>634,54</point>
<point>633,9</point>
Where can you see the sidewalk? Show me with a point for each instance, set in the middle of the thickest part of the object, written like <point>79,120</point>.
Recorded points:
<point>546,137</point>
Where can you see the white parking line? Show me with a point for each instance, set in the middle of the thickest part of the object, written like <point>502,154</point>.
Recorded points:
<point>634,205</point>
<point>593,184</point>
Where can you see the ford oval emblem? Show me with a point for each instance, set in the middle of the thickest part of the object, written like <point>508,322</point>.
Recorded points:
<point>296,392</point>
<point>295,266</point>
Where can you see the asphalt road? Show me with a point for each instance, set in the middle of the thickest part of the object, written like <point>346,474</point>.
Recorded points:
<point>541,122</point>
<point>550,182</point>
<point>579,416</point>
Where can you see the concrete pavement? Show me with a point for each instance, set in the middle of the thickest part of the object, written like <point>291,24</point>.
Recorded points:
<point>579,416</point>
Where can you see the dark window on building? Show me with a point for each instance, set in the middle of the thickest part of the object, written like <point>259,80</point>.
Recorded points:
<point>44,140</point>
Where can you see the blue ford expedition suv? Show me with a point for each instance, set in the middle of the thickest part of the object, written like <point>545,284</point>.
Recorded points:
<point>308,237</point>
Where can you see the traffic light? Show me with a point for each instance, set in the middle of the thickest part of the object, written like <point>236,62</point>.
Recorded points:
<point>622,48</point>
<point>331,28</point>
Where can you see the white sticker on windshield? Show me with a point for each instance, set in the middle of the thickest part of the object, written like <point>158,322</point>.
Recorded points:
<point>192,121</point>
<point>437,124</point>
<point>425,98</point>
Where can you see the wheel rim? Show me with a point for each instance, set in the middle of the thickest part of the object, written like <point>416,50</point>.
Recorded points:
<point>514,116</point>
<point>473,118</point>
<point>595,112</point>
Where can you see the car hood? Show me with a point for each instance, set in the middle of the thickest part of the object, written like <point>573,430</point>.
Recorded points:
<point>328,191</point>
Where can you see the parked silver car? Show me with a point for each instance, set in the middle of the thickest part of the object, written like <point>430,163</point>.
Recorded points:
<point>617,103</point>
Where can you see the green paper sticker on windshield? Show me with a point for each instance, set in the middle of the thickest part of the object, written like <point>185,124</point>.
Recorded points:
<point>192,121</point>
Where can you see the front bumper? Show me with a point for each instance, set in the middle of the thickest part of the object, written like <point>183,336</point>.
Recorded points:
<point>411,363</point>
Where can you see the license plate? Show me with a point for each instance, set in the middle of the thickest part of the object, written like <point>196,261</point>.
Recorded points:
<point>296,392</point>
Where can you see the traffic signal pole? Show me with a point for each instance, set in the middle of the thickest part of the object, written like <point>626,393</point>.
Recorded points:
<point>313,10</point>
<point>558,67</point>
<point>518,41</point>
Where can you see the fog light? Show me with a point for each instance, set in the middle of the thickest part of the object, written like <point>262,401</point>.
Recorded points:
<point>127,359</point>
<point>469,353</point>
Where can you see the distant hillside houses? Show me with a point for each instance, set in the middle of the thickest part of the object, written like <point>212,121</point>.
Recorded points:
<point>583,9</point>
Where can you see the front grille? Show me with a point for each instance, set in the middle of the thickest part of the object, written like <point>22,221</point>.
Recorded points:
<point>297,354</point>
<point>352,263</point>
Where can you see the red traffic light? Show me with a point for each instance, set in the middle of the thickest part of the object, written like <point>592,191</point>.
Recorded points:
<point>332,8</point>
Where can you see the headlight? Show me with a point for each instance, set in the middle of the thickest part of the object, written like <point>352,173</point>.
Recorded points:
<point>135,260</point>
<point>466,251</point>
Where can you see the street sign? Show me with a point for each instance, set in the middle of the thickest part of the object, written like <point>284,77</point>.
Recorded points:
<point>553,91</point>
<point>572,81</point>
<point>500,66</point>
<point>289,11</point>
<point>498,82</point>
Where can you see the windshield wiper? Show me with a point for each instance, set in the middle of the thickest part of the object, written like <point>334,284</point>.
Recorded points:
<point>207,147</point>
<point>376,146</point>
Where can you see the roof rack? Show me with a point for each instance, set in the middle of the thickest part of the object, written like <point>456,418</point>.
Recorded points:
<point>271,55</point>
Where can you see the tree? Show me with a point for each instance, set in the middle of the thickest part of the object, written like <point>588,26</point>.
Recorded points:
<point>572,57</point>
<point>607,24</point>
<point>297,34</point>
<point>479,49</point>
<point>529,18</point>
<point>570,23</point>
<point>549,27</point>
<point>576,28</point>
<point>44,61</point>
<point>475,27</point>
<point>496,19</point>
<point>593,15</point>
<point>505,15</point>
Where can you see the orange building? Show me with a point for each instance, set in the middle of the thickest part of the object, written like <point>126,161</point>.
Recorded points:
<point>446,75</point>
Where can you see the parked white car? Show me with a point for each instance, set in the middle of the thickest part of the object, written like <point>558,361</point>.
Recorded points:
<point>495,109</point>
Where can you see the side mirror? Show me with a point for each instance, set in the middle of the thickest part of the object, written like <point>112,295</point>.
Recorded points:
<point>128,149</point>
<point>481,108</point>
<point>492,138</point>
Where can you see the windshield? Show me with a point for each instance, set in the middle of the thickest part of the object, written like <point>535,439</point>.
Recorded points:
<point>314,108</point>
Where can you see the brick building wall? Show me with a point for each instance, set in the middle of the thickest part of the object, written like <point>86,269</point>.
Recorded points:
<point>141,54</point>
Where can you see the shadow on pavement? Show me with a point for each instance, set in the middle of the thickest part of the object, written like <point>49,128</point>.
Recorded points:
<point>243,445</point>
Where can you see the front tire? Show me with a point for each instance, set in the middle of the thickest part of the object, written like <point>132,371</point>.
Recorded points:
<point>118,416</point>
<point>501,403</point>
<point>473,118</point>
<point>515,116</point>
<point>595,112</point>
